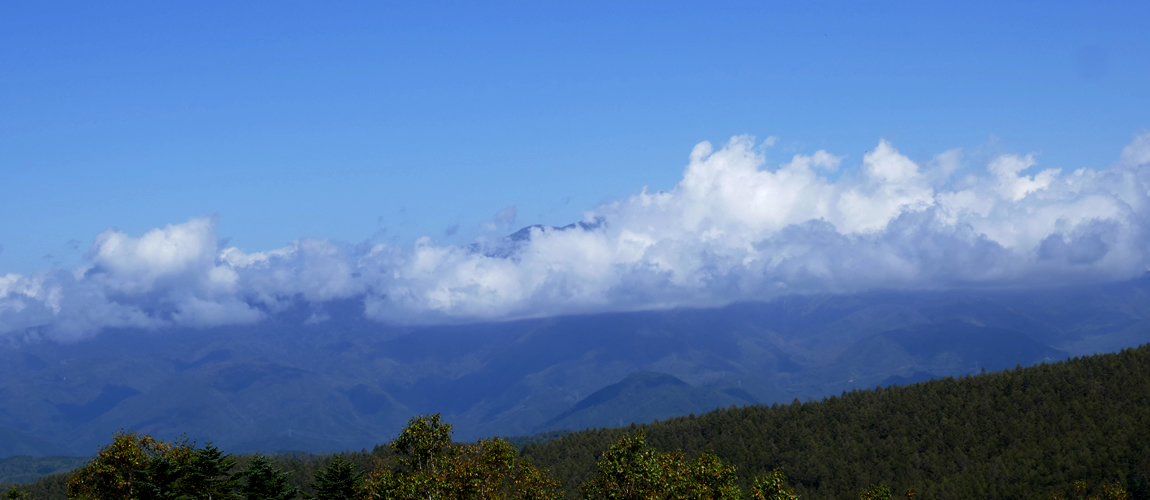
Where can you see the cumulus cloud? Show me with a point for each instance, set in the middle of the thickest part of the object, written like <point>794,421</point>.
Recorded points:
<point>734,228</point>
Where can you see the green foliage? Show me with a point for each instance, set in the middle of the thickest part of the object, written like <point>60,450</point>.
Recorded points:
<point>422,442</point>
<point>876,492</point>
<point>140,467</point>
<point>338,481</point>
<point>772,486</point>
<point>262,480</point>
<point>208,475</point>
<point>1081,490</point>
<point>708,478</point>
<point>49,487</point>
<point>629,470</point>
<point>1021,433</point>
<point>17,494</point>
<point>1072,430</point>
<point>160,479</point>
<point>430,466</point>
<point>132,466</point>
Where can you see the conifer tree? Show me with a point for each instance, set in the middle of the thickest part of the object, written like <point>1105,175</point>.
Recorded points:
<point>261,480</point>
<point>161,479</point>
<point>338,481</point>
<point>208,475</point>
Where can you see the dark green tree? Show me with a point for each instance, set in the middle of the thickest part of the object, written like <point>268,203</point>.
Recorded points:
<point>208,475</point>
<point>17,494</point>
<point>338,481</point>
<point>262,480</point>
<point>161,479</point>
<point>1079,490</point>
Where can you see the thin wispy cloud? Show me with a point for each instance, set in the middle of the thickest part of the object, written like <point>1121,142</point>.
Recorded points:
<point>734,228</point>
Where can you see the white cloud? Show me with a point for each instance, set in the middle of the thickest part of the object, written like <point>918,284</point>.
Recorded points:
<point>734,228</point>
<point>135,265</point>
<point>1011,185</point>
<point>1137,152</point>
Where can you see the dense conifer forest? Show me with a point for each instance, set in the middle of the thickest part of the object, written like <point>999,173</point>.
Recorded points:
<point>1073,429</point>
<point>1019,433</point>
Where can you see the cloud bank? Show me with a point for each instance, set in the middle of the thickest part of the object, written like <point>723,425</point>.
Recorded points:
<point>734,228</point>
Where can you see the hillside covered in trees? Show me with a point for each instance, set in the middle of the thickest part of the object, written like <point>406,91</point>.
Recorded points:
<point>1022,433</point>
<point>1013,434</point>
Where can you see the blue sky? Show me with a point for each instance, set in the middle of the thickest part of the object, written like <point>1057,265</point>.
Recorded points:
<point>299,119</point>
<point>369,123</point>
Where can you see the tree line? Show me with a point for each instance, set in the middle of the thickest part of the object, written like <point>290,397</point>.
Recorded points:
<point>425,465</point>
<point>1020,433</point>
<point>1075,429</point>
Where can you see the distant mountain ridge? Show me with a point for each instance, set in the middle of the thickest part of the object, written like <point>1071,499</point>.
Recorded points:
<point>640,398</point>
<point>16,443</point>
<point>922,352</point>
<point>345,383</point>
<point>27,469</point>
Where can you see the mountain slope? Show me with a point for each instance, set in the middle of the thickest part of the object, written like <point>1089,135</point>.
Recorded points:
<point>26,469</point>
<point>1018,433</point>
<point>642,397</point>
<point>16,443</point>
<point>347,382</point>
<point>922,352</point>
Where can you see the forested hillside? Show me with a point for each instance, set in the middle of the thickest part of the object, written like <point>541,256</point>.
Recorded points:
<point>25,469</point>
<point>1021,433</point>
<point>1012,434</point>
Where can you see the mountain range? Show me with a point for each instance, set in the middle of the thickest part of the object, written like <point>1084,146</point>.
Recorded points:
<point>291,383</point>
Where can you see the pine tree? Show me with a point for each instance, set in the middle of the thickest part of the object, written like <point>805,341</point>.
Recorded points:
<point>161,479</point>
<point>264,481</point>
<point>338,481</point>
<point>208,475</point>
